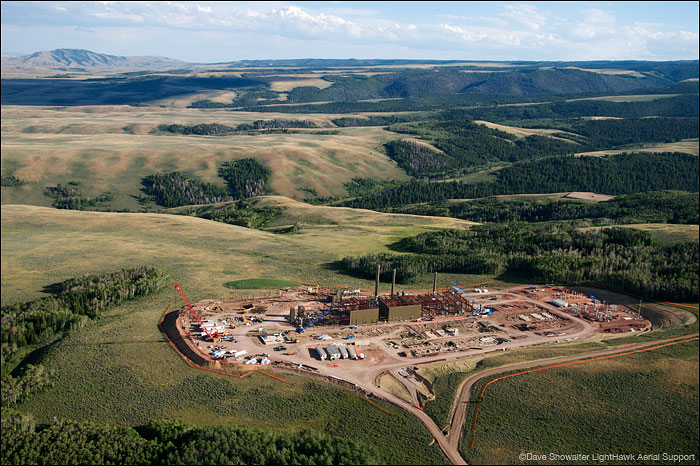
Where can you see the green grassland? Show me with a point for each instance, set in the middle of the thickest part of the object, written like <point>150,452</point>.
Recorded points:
<point>120,369</point>
<point>644,403</point>
<point>258,283</point>
<point>445,377</point>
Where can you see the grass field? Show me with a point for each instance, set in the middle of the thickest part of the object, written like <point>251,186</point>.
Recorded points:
<point>119,369</point>
<point>390,384</point>
<point>578,197</point>
<point>46,146</point>
<point>645,403</point>
<point>446,377</point>
<point>688,146</point>
<point>42,246</point>
<point>525,132</point>
<point>259,283</point>
<point>627,98</point>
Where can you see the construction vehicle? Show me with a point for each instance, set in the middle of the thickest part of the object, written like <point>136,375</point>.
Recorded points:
<point>213,337</point>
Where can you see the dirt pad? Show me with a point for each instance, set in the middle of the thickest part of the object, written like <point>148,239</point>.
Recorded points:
<point>589,196</point>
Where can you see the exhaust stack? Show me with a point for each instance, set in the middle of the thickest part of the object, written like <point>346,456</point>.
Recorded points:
<point>376,284</point>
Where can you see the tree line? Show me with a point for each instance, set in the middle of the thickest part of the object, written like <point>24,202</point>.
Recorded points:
<point>217,129</point>
<point>648,207</point>
<point>622,258</point>
<point>245,177</point>
<point>624,173</point>
<point>171,442</point>
<point>464,143</point>
<point>69,196</point>
<point>175,189</point>
<point>75,302</point>
<point>241,212</point>
<point>678,106</point>
<point>12,181</point>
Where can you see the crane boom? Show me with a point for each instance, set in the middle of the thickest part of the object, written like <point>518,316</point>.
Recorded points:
<point>213,337</point>
<point>325,313</point>
<point>459,290</point>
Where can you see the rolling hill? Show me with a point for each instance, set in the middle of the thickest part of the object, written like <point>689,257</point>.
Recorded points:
<point>80,59</point>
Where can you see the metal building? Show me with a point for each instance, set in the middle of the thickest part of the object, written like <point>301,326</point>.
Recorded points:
<point>333,352</point>
<point>393,310</point>
<point>364,316</point>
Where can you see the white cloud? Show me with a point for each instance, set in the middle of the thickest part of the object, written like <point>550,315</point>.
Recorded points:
<point>526,15</point>
<point>595,15</point>
<point>503,31</point>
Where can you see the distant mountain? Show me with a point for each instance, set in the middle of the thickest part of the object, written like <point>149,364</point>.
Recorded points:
<point>79,59</point>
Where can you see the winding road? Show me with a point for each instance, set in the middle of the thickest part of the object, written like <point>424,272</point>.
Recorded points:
<point>460,407</point>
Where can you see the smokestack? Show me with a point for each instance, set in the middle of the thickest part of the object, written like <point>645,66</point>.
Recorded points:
<point>393,282</point>
<point>376,285</point>
<point>435,283</point>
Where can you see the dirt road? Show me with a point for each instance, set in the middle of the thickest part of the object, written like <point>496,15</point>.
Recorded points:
<point>460,407</point>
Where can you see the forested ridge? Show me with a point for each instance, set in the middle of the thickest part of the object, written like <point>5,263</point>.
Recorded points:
<point>685,105</point>
<point>217,129</point>
<point>626,259</point>
<point>241,212</point>
<point>464,143</point>
<point>244,178</point>
<point>175,189</point>
<point>171,442</point>
<point>647,207</point>
<point>624,173</point>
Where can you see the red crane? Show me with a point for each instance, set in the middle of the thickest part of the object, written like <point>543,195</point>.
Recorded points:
<point>215,336</point>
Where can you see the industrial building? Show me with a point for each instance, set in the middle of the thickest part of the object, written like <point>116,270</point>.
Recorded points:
<point>321,353</point>
<point>394,308</point>
<point>333,352</point>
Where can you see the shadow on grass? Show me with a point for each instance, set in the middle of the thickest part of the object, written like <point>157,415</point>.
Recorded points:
<point>34,358</point>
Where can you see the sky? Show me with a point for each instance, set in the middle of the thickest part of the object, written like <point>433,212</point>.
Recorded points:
<point>209,32</point>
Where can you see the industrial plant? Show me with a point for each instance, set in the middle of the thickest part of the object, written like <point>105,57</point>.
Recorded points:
<point>310,325</point>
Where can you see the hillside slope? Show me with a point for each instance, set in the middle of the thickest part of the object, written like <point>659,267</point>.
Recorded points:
<point>88,60</point>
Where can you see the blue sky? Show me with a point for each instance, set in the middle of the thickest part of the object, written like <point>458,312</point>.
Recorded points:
<point>226,31</point>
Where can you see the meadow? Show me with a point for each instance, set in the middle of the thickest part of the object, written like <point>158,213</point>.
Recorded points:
<point>120,368</point>
<point>640,404</point>
<point>110,149</point>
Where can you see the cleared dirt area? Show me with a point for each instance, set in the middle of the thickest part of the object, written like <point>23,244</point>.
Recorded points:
<point>589,196</point>
<point>252,331</point>
<point>525,132</point>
